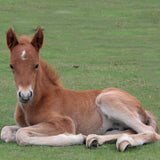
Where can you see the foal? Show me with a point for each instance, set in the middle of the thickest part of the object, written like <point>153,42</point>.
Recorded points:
<point>48,114</point>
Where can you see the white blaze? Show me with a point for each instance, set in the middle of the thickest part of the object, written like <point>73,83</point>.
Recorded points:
<point>23,54</point>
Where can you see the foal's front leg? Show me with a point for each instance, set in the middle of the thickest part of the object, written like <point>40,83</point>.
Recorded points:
<point>50,134</point>
<point>8,133</point>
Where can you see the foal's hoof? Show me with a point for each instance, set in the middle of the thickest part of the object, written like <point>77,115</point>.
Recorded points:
<point>123,146</point>
<point>92,142</point>
<point>124,142</point>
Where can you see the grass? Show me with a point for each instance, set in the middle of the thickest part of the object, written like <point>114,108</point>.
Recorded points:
<point>115,43</point>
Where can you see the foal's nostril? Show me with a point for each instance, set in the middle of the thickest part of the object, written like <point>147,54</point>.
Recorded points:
<point>31,94</point>
<point>20,95</point>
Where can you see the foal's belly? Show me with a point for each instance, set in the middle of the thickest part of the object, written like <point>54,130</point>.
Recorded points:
<point>96,124</point>
<point>89,124</point>
<point>88,121</point>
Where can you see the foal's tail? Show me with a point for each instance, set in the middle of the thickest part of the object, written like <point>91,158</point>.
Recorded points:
<point>152,121</point>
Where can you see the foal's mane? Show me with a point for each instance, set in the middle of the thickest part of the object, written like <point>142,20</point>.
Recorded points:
<point>50,73</point>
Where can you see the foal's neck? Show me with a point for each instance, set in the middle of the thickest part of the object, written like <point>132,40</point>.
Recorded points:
<point>47,79</point>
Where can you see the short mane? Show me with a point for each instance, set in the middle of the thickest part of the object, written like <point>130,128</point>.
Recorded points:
<point>24,40</point>
<point>50,73</point>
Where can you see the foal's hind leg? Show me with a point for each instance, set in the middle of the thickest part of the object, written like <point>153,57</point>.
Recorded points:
<point>49,134</point>
<point>136,140</point>
<point>124,109</point>
<point>94,140</point>
<point>8,133</point>
<point>124,139</point>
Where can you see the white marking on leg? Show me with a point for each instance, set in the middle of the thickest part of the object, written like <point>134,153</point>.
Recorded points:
<point>8,133</point>
<point>23,54</point>
<point>23,138</point>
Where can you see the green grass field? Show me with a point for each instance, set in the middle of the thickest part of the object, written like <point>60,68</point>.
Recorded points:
<point>115,43</point>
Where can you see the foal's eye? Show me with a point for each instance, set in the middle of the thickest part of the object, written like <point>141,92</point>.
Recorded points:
<point>36,66</point>
<point>11,66</point>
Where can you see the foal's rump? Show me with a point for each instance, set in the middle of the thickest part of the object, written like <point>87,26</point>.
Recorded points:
<point>125,110</point>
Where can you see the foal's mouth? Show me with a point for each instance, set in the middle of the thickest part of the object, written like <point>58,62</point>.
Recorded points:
<point>24,101</point>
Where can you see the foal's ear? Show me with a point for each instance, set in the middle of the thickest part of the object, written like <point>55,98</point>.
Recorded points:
<point>11,39</point>
<point>37,40</point>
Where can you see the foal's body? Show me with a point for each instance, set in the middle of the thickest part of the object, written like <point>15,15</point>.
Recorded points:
<point>82,104</point>
<point>48,114</point>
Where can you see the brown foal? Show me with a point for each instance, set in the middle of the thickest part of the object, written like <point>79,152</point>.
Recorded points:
<point>48,114</point>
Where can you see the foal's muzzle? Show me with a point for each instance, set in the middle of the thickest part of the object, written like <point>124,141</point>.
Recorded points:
<point>25,96</point>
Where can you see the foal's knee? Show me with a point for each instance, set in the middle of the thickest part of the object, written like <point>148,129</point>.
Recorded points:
<point>21,137</point>
<point>5,134</point>
<point>8,134</point>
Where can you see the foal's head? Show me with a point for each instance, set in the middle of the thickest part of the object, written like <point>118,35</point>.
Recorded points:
<point>24,62</point>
